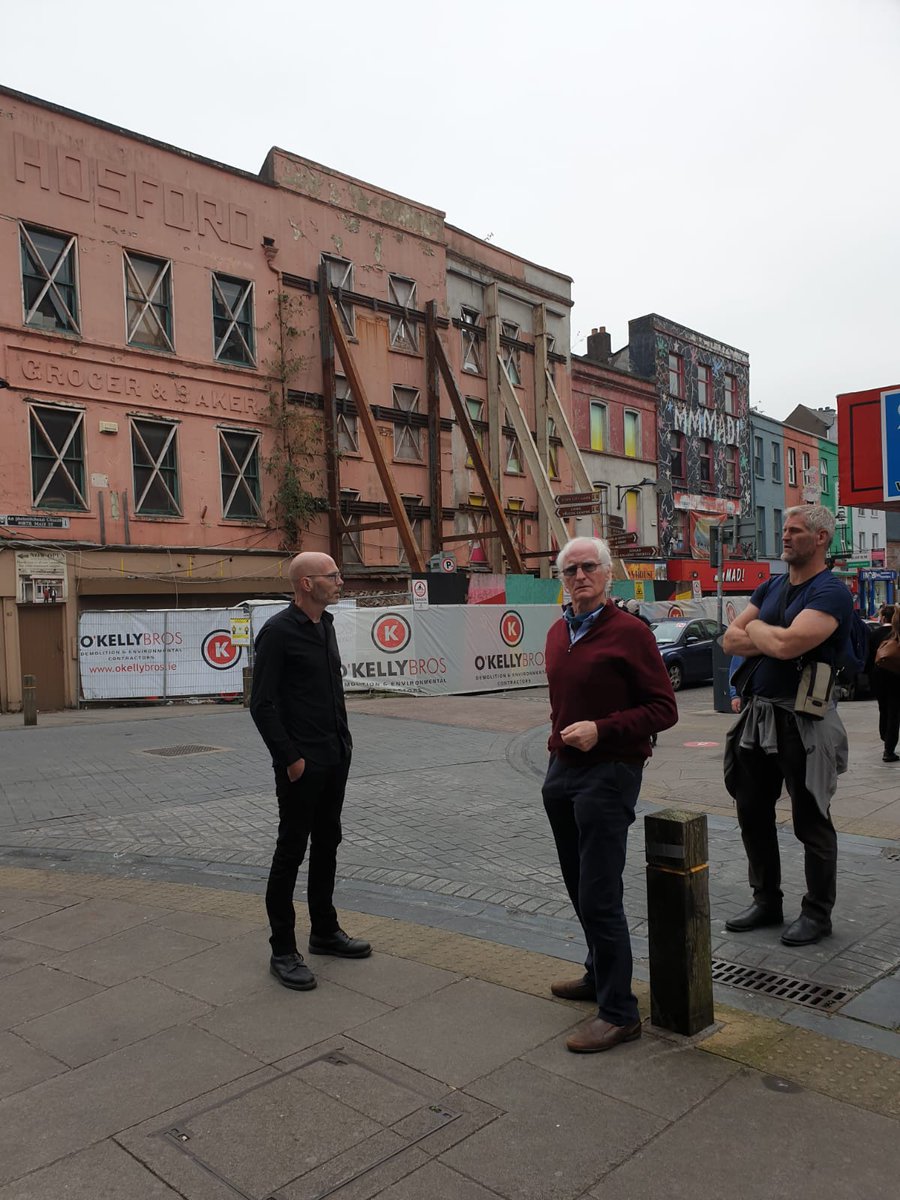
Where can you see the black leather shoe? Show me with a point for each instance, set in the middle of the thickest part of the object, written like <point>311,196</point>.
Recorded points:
<point>292,971</point>
<point>805,931</point>
<point>890,756</point>
<point>755,917</point>
<point>574,989</point>
<point>340,944</point>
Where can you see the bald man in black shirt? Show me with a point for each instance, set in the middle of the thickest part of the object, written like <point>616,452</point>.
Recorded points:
<point>298,706</point>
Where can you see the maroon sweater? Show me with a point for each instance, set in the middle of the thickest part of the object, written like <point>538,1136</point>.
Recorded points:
<point>613,675</point>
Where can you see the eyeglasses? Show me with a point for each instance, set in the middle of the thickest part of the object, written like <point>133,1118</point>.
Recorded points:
<point>334,576</point>
<point>588,567</point>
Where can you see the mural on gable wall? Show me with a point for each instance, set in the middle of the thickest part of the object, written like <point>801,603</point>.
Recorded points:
<point>698,422</point>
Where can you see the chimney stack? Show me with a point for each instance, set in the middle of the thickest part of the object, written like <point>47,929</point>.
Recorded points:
<point>599,345</point>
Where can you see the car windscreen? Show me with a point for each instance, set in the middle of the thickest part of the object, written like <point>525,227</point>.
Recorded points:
<point>667,632</point>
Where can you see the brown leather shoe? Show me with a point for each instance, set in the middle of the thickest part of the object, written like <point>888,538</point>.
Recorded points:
<point>574,989</point>
<point>596,1034</point>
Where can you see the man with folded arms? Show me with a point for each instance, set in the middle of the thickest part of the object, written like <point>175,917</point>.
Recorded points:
<point>609,693</point>
<point>298,706</point>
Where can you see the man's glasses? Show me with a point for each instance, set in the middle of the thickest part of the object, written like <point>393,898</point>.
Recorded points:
<point>334,576</point>
<point>572,569</point>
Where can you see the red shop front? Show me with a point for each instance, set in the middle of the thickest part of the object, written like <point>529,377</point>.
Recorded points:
<point>737,576</point>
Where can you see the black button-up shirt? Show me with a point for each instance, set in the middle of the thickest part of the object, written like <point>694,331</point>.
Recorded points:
<point>297,701</point>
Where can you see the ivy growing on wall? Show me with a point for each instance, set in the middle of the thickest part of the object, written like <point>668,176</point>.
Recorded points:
<point>295,462</point>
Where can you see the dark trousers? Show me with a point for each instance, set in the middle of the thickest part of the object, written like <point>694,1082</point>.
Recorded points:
<point>887,693</point>
<point>590,809</point>
<point>309,811</point>
<point>758,782</point>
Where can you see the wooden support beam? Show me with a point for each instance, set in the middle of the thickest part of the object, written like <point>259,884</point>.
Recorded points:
<point>332,458</point>
<point>364,413</point>
<point>545,494</point>
<point>494,403</point>
<point>492,500</point>
<point>433,383</point>
<point>542,416</point>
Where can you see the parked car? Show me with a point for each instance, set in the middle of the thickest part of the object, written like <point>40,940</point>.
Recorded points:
<point>687,649</point>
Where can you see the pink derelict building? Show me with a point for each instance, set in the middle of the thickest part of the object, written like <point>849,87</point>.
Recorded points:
<point>172,424</point>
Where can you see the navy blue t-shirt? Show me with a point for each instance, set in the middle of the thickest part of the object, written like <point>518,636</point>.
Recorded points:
<point>778,678</point>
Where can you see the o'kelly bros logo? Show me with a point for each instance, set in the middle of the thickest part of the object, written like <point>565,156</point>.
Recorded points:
<point>219,651</point>
<point>512,627</point>
<point>391,633</point>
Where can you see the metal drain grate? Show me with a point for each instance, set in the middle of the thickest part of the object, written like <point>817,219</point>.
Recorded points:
<point>779,987</point>
<point>181,751</point>
<point>890,855</point>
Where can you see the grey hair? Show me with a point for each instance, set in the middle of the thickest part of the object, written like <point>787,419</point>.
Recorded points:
<point>603,554</point>
<point>814,516</point>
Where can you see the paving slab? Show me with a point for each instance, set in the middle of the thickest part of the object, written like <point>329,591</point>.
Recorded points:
<point>361,1172</point>
<point>102,1172</point>
<point>662,1077</point>
<point>880,1004</point>
<point>128,954</point>
<point>274,1022</point>
<point>109,1020</point>
<point>435,1179</point>
<point>385,977</point>
<point>210,928</point>
<point>464,1030</point>
<point>20,910</point>
<point>36,990</point>
<point>554,1139</point>
<point>72,1111</point>
<point>85,922</point>
<point>22,1065</point>
<point>759,1137</point>
<point>16,955</point>
<point>223,974</point>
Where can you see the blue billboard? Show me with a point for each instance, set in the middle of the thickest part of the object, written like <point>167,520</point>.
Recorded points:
<point>890,443</point>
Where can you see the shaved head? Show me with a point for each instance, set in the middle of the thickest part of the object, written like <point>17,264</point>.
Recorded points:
<point>310,562</point>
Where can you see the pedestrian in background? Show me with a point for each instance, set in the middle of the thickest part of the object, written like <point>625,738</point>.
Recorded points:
<point>609,692</point>
<point>297,703</point>
<point>796,626</point>
<point>736,701</point>
<point>885,679</point>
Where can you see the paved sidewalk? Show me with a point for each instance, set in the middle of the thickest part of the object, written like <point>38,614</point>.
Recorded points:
<point>146,1053</point>
<point>444,827</point>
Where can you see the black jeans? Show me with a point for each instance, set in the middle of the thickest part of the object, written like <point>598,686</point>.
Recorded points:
<point>758,782</point>
<point>309,811</point>
<point>590,809</point>
<point>887,693</point>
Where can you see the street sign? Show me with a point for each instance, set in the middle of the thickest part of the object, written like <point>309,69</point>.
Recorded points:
<point>639,589</point>
<point>616,522</point>
<point>638,551</point>
<point>577,510</point>
<point>696,589</point>
<point>622,539</point>
<point>890,443</point>
<point>30,521</point>
<point>419,588</point>
<point>567,498</point>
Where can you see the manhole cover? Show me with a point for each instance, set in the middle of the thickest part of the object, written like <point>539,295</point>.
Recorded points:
<point>779,987</point>
<point>181,751</point>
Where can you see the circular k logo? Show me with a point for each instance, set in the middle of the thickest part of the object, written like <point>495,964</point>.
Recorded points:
<point>218,650</point>
<point>391,633</point>
<point>512,627</point>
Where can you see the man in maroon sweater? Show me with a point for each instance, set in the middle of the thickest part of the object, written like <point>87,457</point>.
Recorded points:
<point>609,693</point>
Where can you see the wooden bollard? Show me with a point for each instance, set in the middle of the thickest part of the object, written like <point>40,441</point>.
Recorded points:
<point>681,994</point>
<point>29,699</point>
<point>247,676</point>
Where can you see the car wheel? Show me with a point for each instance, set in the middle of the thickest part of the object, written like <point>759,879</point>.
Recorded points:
<point>676,675</point>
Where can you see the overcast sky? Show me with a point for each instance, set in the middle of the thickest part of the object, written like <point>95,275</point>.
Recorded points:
<point>732,165</point>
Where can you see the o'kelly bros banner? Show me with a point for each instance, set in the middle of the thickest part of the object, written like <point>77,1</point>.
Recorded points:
<point>437,651</point>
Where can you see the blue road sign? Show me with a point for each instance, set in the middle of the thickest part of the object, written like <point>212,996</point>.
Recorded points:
<point>890,443</point>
